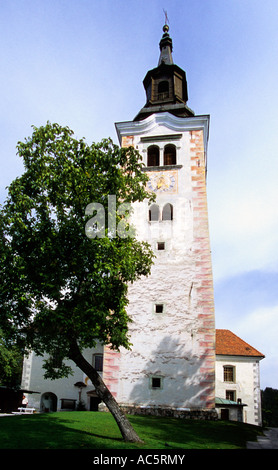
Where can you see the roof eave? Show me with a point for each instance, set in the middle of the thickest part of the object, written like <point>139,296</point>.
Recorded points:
<point>259,356</point>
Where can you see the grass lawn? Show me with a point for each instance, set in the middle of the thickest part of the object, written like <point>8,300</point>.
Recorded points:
<point>98,430</point>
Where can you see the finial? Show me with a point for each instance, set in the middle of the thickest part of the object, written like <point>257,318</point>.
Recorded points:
<point>165,44</point>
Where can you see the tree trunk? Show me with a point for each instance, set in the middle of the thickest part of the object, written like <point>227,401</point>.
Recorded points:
<point>104,394</point>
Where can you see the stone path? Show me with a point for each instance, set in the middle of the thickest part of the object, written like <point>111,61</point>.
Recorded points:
<point>268,441</point>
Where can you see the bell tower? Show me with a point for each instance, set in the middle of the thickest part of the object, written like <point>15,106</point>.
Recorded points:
<point>165,85</point>
<point>171,364</point>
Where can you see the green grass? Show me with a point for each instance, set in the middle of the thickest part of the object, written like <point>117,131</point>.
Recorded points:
<point>98,430</point>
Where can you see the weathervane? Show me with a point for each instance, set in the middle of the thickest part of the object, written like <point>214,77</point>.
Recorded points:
<point>166,17</point>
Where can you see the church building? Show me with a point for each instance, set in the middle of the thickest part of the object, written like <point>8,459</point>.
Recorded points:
<point>170,369</point>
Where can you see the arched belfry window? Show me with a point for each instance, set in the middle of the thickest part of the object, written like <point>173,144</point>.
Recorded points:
<point>153,212</point>
<point>163,90</point>
<point>167,212</point>
<point>170,155</point>
<point>153,156</point>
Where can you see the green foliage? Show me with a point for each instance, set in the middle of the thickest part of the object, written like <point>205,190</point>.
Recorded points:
<point>56,283</point>
<point>11,358</point>
<point>270,407</point>
<point>81,406</point>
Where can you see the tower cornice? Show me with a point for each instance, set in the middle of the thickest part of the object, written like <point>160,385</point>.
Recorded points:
<point>168,120</point>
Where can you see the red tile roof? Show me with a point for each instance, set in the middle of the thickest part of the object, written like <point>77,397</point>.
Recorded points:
<point>228,344</point>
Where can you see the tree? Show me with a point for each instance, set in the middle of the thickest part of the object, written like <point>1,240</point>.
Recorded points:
<point>11,358</point>
<point>270,406</point>
<point>63,290</point>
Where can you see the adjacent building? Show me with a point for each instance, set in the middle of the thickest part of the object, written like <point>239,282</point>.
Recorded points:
<point>237,375</point>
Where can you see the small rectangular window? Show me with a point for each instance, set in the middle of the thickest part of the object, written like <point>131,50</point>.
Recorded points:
<point>159,308</point>
<point>161,245</point>
<point>156,382</point>
<point>98,362</point>
<point>231,395</point>
<point>67,403</point>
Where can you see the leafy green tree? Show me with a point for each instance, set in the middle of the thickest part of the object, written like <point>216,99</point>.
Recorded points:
<point>62,291</point>
<point>270,406</point>
<point>11,358</point>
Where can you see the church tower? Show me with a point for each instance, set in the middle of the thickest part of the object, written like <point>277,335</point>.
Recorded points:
<point>171,364</point>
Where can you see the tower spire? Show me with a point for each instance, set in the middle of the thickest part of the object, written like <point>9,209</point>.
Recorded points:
<point>166,47</point>
<point>165,85</point>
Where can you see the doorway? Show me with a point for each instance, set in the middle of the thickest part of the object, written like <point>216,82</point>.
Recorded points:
<point>94,402</point>
<point>48,402</point>
<point>225,414</point>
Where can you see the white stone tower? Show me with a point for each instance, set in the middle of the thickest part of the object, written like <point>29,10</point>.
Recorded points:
<point>172,361</point>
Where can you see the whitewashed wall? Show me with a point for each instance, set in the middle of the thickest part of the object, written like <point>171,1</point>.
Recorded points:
<point>169,345</point>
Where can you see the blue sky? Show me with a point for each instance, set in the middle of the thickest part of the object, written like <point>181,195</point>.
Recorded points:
<point>81,63</point>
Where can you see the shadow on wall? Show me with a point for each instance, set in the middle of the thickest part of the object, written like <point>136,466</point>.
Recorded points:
<point>173,377</point>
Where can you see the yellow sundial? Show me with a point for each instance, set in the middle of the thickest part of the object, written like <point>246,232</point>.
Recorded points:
<point>162,183</point>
